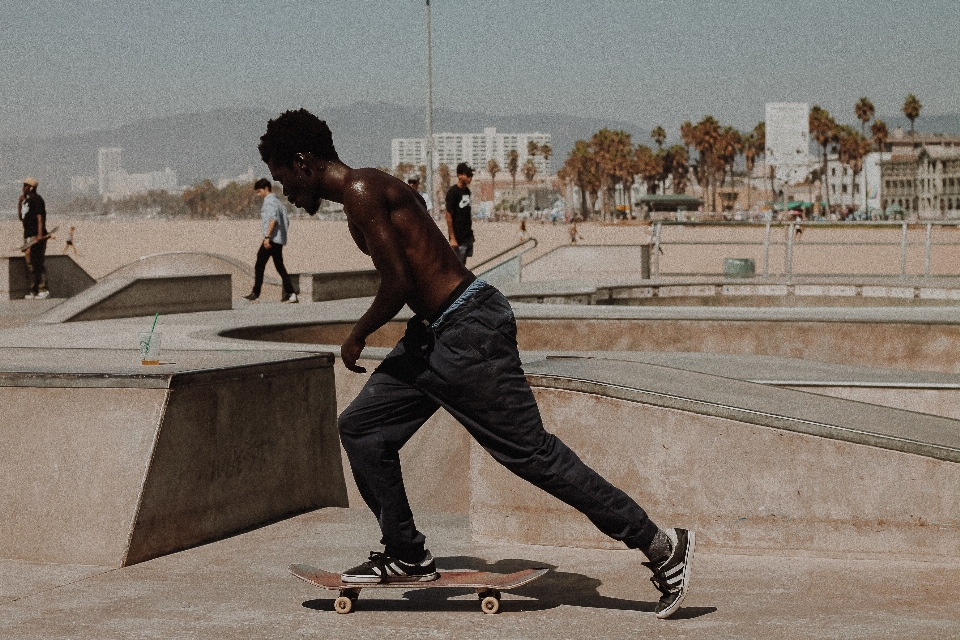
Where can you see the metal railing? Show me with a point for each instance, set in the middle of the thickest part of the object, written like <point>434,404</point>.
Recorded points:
<point>790,241</point>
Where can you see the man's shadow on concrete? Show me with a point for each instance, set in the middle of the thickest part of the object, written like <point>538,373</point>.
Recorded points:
<point>554,589</point>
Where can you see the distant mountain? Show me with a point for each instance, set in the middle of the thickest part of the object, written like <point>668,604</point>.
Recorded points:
<point>223,143</point>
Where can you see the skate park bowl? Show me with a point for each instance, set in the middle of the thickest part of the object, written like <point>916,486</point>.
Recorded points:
<point>104,464</point>
<point>766,427</point>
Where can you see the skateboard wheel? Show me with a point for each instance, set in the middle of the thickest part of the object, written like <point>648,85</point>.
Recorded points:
<point>490,604</point>
<point>343,604</point>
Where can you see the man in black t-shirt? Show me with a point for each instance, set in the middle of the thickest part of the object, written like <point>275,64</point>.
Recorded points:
<point>32,211</point>
<point>459,222</point>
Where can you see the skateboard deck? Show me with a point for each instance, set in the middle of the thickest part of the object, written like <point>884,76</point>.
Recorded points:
<point>30,243</point>
<point>486,584</point>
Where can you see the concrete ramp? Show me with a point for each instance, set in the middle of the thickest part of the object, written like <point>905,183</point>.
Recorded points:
<point>589,262</point>
<point>65,277</point>
<point>129,297</point>
<point>187,263</point>
<point>750,467</point>
<point>106,462</point>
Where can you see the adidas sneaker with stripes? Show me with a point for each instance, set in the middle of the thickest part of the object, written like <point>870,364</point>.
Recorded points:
<point>383,568</point>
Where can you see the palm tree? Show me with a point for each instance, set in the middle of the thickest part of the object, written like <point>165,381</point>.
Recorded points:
<point>911,109</point>
<point>823,129</point>
<point>513,165</point>
<point>650,166</point>
<point>529,169</point>
<point>614,154</point>
<point>705,137</point>
<point>580,169</point>
<point>679,159</point>
<point>852,147</point>
<point>749,159</point>
<point>493,168</point>
<point>864,110</point>
<point>532,148</point>
<point>546,151</point>
<point>402,170</point>
<point>879,134</point>
<point>658,135</point>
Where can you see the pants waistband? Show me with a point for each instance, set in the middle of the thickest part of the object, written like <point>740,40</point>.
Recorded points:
<point>453,300</point>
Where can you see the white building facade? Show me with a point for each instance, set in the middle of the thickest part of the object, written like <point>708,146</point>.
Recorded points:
<point>473,148</point>
<point>788,140</point>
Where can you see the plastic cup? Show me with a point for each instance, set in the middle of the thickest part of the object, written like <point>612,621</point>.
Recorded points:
<point>149,347</point>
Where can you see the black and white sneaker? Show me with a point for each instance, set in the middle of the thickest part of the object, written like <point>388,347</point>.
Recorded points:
<point>672,577</point>
<point>383,568</point>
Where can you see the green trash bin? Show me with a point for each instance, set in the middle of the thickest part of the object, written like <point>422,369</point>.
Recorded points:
<point>739,267</point>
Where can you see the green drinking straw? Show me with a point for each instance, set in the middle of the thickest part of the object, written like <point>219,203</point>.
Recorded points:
<point>156,317</point>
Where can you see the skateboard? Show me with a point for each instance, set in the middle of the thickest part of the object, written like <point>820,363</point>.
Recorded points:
<point>487,585</point>
<point>30,243</point>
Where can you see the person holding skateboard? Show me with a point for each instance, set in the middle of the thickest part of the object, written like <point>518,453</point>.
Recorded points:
<point>459,352</point>
<point>273,219</point>
<point>32,212</point>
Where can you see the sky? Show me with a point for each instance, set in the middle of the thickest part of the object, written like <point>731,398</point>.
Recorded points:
<point>97,64</point>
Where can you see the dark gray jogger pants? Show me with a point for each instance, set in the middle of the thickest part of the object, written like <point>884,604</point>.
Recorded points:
<point>467,362</point>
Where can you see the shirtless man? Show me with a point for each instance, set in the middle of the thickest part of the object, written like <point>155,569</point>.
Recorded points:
<point>459,352</point>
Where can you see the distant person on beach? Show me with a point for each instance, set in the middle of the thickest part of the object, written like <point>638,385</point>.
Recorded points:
<point>414,182</point>
<point>275,224</point>
<point>32,211</point>
<point>459,352</point>
<point>524,235</point>
<point>459,220</point>
<point>574,234</point>
<point>69,244</point>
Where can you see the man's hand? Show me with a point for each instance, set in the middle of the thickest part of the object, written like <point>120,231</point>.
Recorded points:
<point>266,243</point>
<point>350,352</point>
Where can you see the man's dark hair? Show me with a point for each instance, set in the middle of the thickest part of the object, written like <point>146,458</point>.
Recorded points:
<point>296,132</point>
<point>262,183</point>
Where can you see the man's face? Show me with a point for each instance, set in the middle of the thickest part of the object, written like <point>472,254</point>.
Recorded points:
<point>300,186</point>
<point>263,192</point>
<point>464,180</point>
<point>27,189</point>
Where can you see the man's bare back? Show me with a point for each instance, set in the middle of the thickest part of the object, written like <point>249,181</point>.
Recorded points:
<point>389,223</point>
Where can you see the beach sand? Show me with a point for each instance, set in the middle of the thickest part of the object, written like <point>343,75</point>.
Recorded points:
<point>321,245</point>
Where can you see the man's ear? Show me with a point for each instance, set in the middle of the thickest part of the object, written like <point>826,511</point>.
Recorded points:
<point>300,162</point>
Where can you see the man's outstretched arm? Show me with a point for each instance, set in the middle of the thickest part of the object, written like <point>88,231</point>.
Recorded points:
<point>397,284</point>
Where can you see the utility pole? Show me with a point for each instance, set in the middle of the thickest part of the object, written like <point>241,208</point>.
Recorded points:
<point>428,140</point>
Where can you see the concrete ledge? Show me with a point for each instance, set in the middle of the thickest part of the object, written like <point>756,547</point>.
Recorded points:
<point>340,285</point>
<point>121,297</point>
<point>65,278</point>
<point>106,462</point>
<point>750,467</point>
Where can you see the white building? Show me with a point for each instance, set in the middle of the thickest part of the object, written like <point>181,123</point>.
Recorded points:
<point>113,182</point>
<point>846,190</point>
<point>473,148</point>
<point>788,140</point>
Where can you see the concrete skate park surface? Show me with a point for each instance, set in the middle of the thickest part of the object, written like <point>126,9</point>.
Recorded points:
<point>725,412</point>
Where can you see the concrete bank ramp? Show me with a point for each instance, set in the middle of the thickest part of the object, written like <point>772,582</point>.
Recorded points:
<point>130,297</point>
<point>184,263</point>
<point>749,466</point>
<point>65,277</point>
<point>107,462</point>
<point>587,262</point>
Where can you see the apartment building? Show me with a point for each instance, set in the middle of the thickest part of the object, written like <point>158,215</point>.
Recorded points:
<point>473,148</point>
